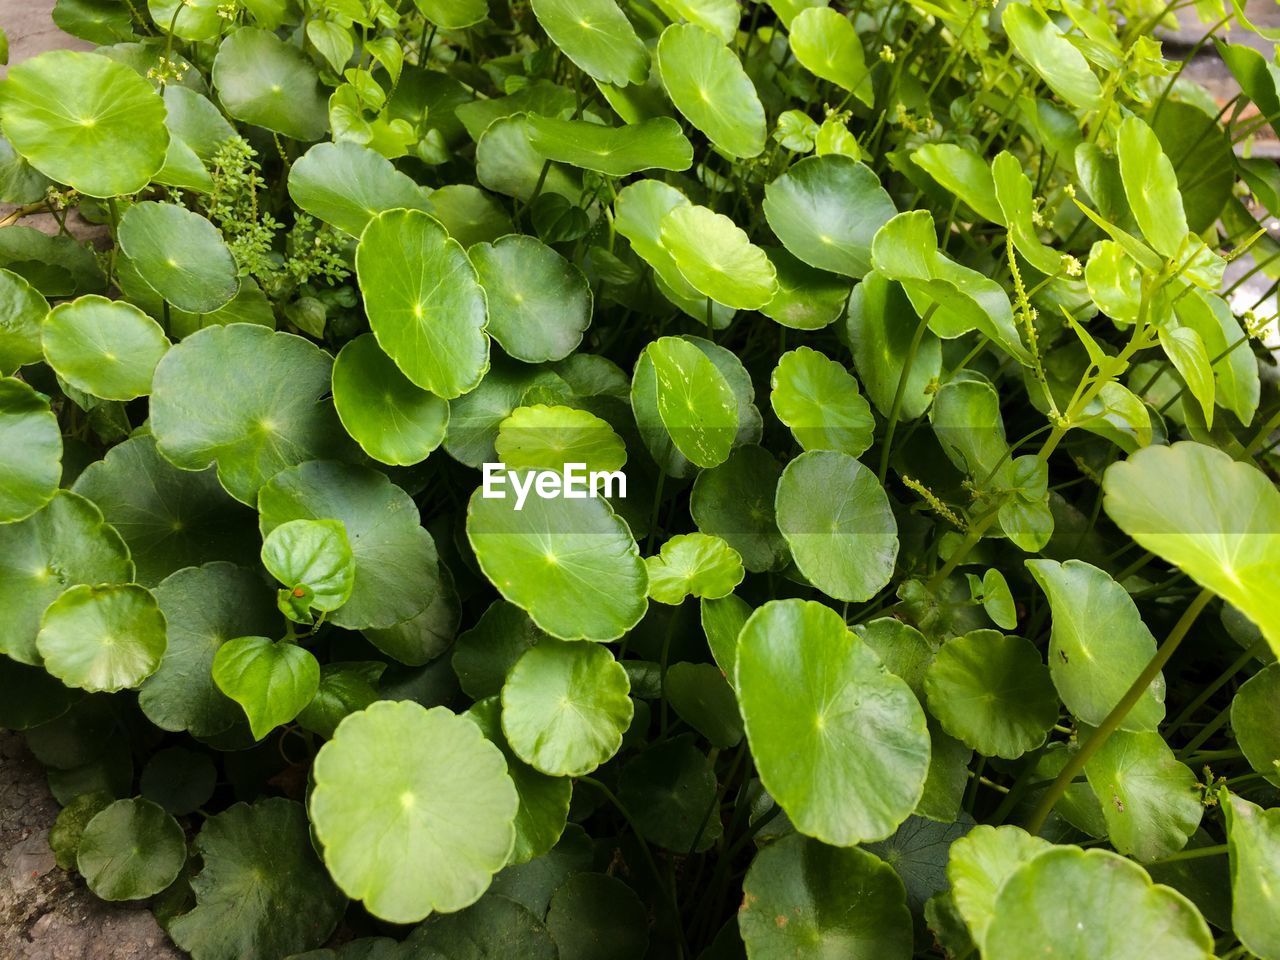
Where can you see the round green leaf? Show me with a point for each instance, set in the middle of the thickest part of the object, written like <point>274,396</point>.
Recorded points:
<point>670,791</point>
<point>819,400</point>
<point>597,36</point>
<point>614,151</point>
<point>547,438</point>
<point>262,80</point>
<point>709,86</point>
<point>825,719</point>
<point>393,420</point>
<point>485,654</point>
<point>131,850</point>
<point>494,926</point>
<point>804,899</point>
<point>716,257</point>
<point>68,827</point>
<point>539,303</point>
<point>544,800</point>
<point>30,451</point>
<point>571,564</point>
<point>246,398</point>
<point>347,185</point>
<point>826,44</point>
<point>1255,718</point>
<point>1223,532</point>
<point>264,848</point>
<point>180,255</point>
<point>565,707</point>
<point>593,916</point>
<point>1092,905</point>
<point>424,301</point>
<point>169,518</point>
<point>1090,672</point>
<point>1049,53</point>
<point>507,163</point>
<point>63,544</point>
<point>693,564</point>
<point>188,19</point>
<point>85,121</point>
<point>104,638</point>
<point>845,541</point>
<point>1253,838</point>
<point>993,692</point>
<point>271,680</point>
<point>735,501</point>
<point>180,780</point>
<point>979,864</point>
<point>414,809</point>
<point>23,310</point>
<point>701,695</point>
<point>395,558</point>
<point>107,348</point>
<point>806,298</point>
<point>204,608</point>
<point>826,210</point>
<point>312,558</point>
<point>695,401</point>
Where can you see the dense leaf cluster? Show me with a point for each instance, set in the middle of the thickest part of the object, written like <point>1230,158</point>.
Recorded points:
<point>937,616</point>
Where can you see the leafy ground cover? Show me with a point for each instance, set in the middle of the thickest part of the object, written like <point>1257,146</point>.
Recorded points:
<point>937,618</point>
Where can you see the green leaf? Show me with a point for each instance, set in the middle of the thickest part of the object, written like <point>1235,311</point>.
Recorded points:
<point>107,348</point>
<point>804,899</point>
<point>670,790</point>
<point>1236,374</point>
<point>735,501</point>
<point>594,916</point>
<point>24,310</point>
<point>826,211</point>
<point>978,865</point>
<point>806,298</point>
<point>615,151</point>
<point>722,621</point>
<point>818,400</point>
<point>1048,900</point>
<point>68,827</point>
<point>992,692</point>
<point>710,88</point>
<point>507,163</point>
<point>963,172</point>
<point>695,402</point>
<point>1185,350</point>
<point>1253,837</point>
<point>539,303</point>
<point>180,255</point>
<point>494,926</point>
<point>345,687</point>
<point>453,14</point>
<point>414,809</point>
<point>597,36</point>
<point>210,402</point>
<point>131,850</point>
<point>188,19</point>
<point>826,44</point>
<point>906,249</point>
<point>424,301</point>
<point>571,564</point>
<point>271,680</point>
<point>264,848</point>
<point>30,451</point>
<point>313,560</point>
<point>565,707</point>
<point>267,82</point>
<point>485,654</point>
<point>1222,534</point>
<point>1149,799</point>
<point>693,564</point>
<point>395,558</point>
<point>823,719</point>
<point>204,607</point>
<point>882,349</point>
<point>1049,53</point>
<point>103,638</point>
<point>721,17</point>
<point>394,421</point>
<point>845,542</point>
<point>1098,644</point>
<point>1255,720</point>
<point>549,438</point>
<point>1015,196</point>
<point>347,185</point>
<point>1151,186</point>
<point>86,121</point>
<point>180,780</point>
<point>715,257</point>
<point>544,801</point>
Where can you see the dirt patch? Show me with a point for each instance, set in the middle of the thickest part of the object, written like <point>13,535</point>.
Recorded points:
<point>45,913</point>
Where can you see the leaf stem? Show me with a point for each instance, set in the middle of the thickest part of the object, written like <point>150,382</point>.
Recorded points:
<point>1121,710</point>
<point>886,445</point>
